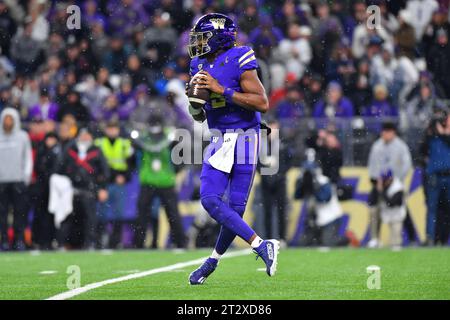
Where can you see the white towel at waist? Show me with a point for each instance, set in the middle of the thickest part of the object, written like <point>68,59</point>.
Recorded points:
<point>223,159</point>
<point>61,198</point>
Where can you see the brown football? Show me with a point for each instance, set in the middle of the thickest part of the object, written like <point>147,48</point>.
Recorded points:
<point>197,96</point>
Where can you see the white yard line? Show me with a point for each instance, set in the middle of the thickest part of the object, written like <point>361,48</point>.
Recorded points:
<point>75,292</point>
<point>47,272</point>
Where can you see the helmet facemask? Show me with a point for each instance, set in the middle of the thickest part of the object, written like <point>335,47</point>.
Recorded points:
<point>198,43</point>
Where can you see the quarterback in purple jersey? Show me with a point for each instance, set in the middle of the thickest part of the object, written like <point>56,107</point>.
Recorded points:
<point>236,99</point>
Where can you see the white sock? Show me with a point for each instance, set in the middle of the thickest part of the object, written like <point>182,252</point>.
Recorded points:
<point>256,242</point>
<point>215,255</point>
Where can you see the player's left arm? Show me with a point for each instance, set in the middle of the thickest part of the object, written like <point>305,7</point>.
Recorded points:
<point>252,97</point>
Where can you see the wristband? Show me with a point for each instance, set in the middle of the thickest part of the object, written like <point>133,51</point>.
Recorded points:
<point>228,94</point>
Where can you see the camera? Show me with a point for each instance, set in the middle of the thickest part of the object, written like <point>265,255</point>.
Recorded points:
<point>307,184</point>
<point>439,117</point>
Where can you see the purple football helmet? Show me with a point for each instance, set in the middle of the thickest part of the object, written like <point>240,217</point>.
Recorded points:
<point>210,33</point>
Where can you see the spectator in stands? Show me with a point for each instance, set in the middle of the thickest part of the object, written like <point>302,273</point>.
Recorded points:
<point>339,10</point>
<point>426,78</point>
<point>92,14</point>
<point>135,71</point>
<point>421,12</point>
<point>100,41</point>
<point>86,167</point>
<point>143,104</point>
<point>313,92</point>
<point>58,19</point>
<point>116,57</point>
<point>405,39</point>
<point>168,73</point>
<point>112,109</point>
<point>439,21</point>
<point>291,109</point>
<point>16,92</point>
<point>380,106</point>
<point>55,44</point>
<point>249,20</point>
<point>74,107</point>
<point>5,98</point>
<point>421,108</point>
<point>40,24</point>
<point>289,14</point>
<point>118,153</point>
<point>46,109</point>
<point>93,95</point>
<point>60,93</point>
<point>436,151</point>
<point>8,29</point>
<point>295,51</point>
<point>362,35</point>
<point>358,17</point>
<point>26,52</point>
<point>382,67</point>
<point>389,152</point>
<point>15,174</point>
<point>54,70</point>
<point>265,33</point>
<point>374,46</point>
<point>360,89</point>
<point>388,19</point>
<point>159,43</point>
<point>125,90</point>
<point>406,77</point>
<point>30,94</point>
<point>181,17</point>
<point>74,62</point>
<point>439,62</point>
<point>341,67</point>
<point>124,16</point>
<point>88,56</point>
<point>334,104</point>
<point>327,31</point>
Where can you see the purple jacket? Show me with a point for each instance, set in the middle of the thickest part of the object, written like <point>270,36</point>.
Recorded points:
<point>37,112</point>
<point>123,20</point>
<point>290,110</point>
<point>379,109</point>
<point>122,112</point>
<point>344,109</point>
<point>257,37</point>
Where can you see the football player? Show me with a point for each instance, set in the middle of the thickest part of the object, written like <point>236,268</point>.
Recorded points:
<point>237,98</point>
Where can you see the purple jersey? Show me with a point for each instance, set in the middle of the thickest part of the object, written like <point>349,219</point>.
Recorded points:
<point>227,69</point>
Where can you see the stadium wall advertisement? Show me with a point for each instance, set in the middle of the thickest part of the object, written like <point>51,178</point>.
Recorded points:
<point>356,211</point>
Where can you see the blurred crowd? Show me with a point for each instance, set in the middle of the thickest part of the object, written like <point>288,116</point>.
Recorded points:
<point>77,93</point>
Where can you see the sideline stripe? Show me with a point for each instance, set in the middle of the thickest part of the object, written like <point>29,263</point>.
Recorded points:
<point>75,292</point>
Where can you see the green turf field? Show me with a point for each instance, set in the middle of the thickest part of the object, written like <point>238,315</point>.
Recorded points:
<point>302,274</point>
